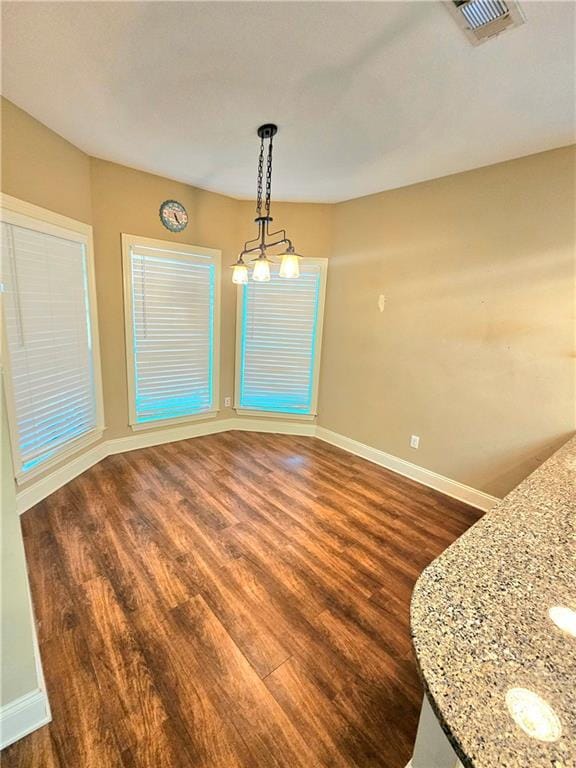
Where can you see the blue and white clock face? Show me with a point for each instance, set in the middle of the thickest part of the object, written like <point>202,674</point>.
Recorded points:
<point>173,215</point>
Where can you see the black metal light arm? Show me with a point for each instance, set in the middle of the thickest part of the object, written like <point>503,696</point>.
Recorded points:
<point>273,234</point>
<point>264,232</point>
<point>268,245</point>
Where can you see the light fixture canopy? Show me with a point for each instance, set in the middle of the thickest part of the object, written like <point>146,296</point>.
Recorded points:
<point>290,267</point>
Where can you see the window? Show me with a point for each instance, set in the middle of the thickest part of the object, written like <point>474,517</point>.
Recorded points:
<point>172,295</point>
<point>52,363</point>
<point>278,342</point>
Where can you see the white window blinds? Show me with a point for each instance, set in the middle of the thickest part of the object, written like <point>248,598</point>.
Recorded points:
<point>173,332</point>
<point>53,393</point>
<point>279,344</point>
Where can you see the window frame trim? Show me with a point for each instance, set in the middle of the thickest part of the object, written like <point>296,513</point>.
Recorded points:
<point>21,213</point>
<point>128,242</point>
<point>323,264</point>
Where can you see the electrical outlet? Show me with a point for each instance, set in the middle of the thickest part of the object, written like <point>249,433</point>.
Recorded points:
<point>227,402</point>
<point>414,441</point>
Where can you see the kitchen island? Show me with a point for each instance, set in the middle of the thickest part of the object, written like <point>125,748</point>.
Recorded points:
<point>493,624</point>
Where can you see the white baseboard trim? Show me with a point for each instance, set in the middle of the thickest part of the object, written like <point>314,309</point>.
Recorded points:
<point>39,490</point>
<point>22,716</point>
<point>452,488</point>
<point>141,439</point>
<point>305,428</point>
<point>27,497</point>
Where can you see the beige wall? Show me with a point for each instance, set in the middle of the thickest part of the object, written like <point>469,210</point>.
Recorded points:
<point>126,200</point>
<point>41,167</point>
<point>474,351</point>
<point>18,667</point>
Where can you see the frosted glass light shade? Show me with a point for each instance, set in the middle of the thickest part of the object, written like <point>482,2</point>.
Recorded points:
<point>261,271</point>
<point>240,274</point>
<point>290,266</point>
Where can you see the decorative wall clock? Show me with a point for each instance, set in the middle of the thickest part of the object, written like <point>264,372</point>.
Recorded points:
<point>173,215</point>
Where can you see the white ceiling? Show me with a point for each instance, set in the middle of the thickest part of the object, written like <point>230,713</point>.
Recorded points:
<point>368,95</point>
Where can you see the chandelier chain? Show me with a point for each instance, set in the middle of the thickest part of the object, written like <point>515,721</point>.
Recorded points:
<point>259,179</point>
<point>269,177</point>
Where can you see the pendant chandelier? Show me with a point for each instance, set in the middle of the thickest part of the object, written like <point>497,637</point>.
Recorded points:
<point>258,247</point>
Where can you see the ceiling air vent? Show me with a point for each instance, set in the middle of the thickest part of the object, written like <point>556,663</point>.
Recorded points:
<point>483,19</point>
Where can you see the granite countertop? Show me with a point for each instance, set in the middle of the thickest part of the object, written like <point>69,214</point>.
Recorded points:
<point>494,627</point>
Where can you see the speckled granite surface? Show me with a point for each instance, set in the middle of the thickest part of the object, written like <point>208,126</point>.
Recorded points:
<point>480,623</point>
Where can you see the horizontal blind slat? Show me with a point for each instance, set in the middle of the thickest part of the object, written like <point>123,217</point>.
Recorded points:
<point>49,340</point>
<point>277,346</point>
<point>172,327</point>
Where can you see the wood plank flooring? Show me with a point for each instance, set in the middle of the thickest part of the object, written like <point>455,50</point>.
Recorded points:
<point>233,601</point>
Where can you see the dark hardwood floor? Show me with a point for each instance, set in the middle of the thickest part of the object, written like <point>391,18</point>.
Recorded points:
<point>237,600</point>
